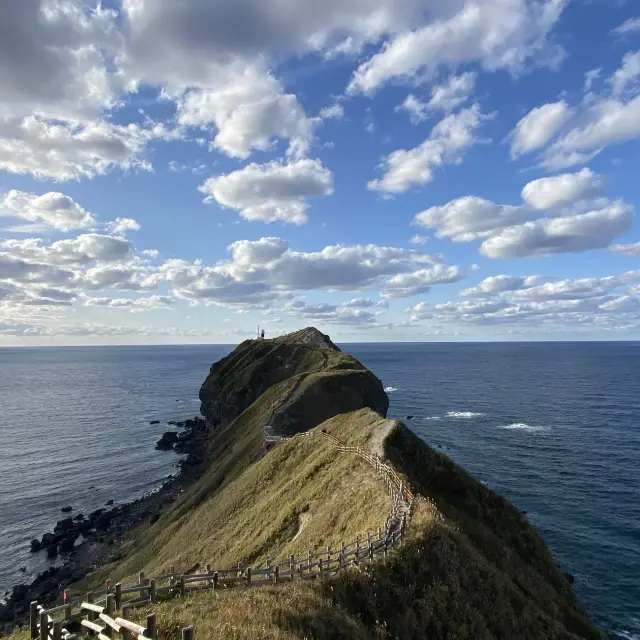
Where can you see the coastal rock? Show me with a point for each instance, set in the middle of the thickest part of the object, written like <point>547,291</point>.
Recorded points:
<point>35,545</point>
<point>67,544</point>
<point>167,441</point>
<point>319,381</point>
<point>109,503</point>
<point>52,551</point>
<point>66,509</point>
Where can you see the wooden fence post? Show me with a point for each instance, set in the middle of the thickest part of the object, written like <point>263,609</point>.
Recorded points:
<point>215,580</point>
<point>57,630</point>
<point>301,570</point>
<point>320,567</point>
<point>187,633</point>
<point>357,560</point>
<point>277,574</point>
<point>44,625</point>
<point>33,619</point>
<point>248,576</point>
<point>343,560</point>
<point>90,614</point>
<point>118,595</point>
<point>126,612</point>
<point>67,600</point>
<point>239,572</point>
<point>152,591</point>
<point>208,570</point>
<point>183,589</point>
<point>150,631</point>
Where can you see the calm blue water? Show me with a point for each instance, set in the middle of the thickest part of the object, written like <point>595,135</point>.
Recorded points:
<point>554,427</point>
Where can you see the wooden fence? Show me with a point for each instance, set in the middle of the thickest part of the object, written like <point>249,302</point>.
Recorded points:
<point>95,612</point>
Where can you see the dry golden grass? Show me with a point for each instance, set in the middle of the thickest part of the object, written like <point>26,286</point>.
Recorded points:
<point>257,514</point>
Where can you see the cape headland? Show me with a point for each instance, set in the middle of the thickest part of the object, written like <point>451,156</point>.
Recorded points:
<point>288,465</point>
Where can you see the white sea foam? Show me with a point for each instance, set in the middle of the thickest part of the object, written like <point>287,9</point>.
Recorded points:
<point>463,414</point>
<point>523,426</point>
<point>390,389</point>
<point>434,418</point>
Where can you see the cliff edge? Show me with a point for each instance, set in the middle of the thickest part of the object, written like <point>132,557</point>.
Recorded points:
<point>323,381</point>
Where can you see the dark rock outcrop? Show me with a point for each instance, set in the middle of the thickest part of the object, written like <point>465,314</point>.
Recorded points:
<point>321,381</point>
<point>167,441</point>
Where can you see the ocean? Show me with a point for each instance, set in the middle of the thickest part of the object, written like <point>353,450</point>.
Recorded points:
<point>555,427</point>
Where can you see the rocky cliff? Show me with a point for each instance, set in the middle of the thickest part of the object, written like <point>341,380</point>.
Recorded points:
<point>322,382</point>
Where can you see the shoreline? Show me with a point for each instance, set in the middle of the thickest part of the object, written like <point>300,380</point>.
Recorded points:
<point>101,544</point>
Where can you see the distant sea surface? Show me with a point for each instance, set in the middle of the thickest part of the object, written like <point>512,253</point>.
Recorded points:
<point>555,427</point>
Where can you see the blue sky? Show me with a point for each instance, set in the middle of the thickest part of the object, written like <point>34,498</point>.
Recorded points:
<point>423,170</point>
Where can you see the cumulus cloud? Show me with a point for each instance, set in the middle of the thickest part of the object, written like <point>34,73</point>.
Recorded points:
<point>573,222</point>
<point>538,127</point>
<point>629,26</point>
<point>498,284</point>
<point>333,314</point>
<point>84,249</point>
<point>415,167</point>
<point>469,218</point>
<point>548,193</point>
<point>271,192</point>
<point>627,76</point>
<point>576,233</point>
<point>569,304</point>
<point>444,97</point>
<point>53,210</point>
<point>418,282</point>
<point>632,249</point>
<point>248,108</point>
<point>498,34</point>
<point>334,111</point>
<point>120,226</point>
<point>131,304</point>
<point>418,239</point>
<point>68,150</point>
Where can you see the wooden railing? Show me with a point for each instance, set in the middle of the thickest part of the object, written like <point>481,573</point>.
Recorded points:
<point>96,610</point>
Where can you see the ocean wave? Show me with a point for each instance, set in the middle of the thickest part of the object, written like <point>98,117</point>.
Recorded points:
<point>390,389</point>
<point>464,414</point>
<point>523,426</point>
<point>434,418</point>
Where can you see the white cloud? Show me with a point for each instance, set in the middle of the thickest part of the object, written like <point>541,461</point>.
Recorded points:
<point>329,313</point>
<point>54,58</point>
<point>629,26</point>
<point>271,192</point>
<point>469,218</point>
<point>414,167</point>
<point>498,34</point>
<point>54,210</point>
<point>498,284</point>
<point>546,236</point>
<point>554,304</point>
<point>627,249</point>
<point>418,239</point>
<point>84,249</point>
<point>69,150</point>
<point>538,127</point>
<point>359,303</point>
<point>605,123</point>
<point>249,109</point>
<point>132,304</point>
<point>411,284</point>
<point>445,97</point>
<point>590,77</point>
<point>627,76</point>
<point>548,193</point>
<point>334,111</point>
<point>120,226</point>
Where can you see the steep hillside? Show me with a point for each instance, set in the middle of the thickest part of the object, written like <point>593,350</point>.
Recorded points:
<point>323,382</point>
<point>472,566</point>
